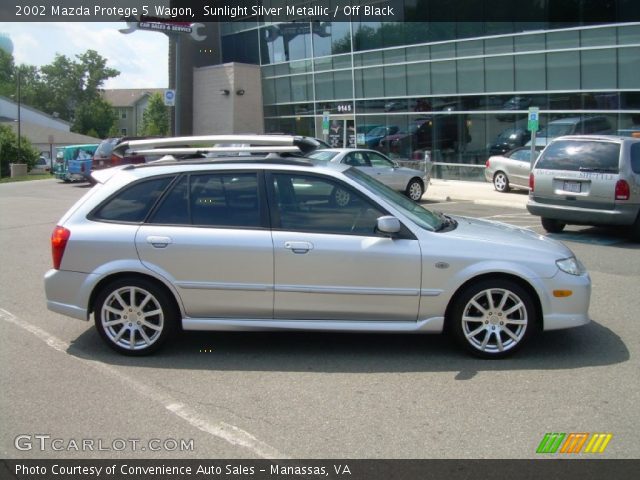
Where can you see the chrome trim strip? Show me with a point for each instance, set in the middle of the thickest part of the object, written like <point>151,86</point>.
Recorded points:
<point>430,292</point>
<point>247,287</point>
<point>402,292</point>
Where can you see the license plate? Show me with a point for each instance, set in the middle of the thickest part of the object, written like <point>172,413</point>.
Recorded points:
<point>573,187</point>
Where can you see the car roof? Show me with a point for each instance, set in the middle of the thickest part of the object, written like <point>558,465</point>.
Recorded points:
<point>608,138</point>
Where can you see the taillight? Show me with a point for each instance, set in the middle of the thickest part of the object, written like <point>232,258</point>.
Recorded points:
<point>623,192</point>
<point>487,163</point>
<point>59,239</point>
<point>532,182</point>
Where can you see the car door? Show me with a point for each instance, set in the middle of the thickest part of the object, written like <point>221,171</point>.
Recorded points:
<point>385,171</point>
<point>330,264</point>
<point>520,167</point>
<point>210,238</point>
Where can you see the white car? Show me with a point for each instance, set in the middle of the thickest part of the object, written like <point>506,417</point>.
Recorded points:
<point>413,183</point>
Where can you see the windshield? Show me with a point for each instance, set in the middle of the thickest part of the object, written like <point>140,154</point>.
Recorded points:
<point>322,155</point>
<point>418,214</point>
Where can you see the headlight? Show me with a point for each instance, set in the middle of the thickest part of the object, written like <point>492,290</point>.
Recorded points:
<point>571,265</point>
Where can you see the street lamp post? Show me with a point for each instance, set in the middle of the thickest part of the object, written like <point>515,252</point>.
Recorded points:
<point>19,117</point>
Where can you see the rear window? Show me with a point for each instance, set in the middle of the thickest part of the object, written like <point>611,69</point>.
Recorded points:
<point>635,157</point>
<point>133,203</point>
<point>586,156</point>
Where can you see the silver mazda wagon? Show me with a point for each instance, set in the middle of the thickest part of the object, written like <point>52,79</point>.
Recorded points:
<point>270,241</point>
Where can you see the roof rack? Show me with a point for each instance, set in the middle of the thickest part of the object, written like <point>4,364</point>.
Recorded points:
<point>219,143</point>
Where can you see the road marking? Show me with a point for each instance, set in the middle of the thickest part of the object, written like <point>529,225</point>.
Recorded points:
<point>229,433</point>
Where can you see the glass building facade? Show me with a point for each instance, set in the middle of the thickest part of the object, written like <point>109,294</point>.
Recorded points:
<point>453,89</point>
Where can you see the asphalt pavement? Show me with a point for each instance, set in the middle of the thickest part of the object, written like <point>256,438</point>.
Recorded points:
<point>480,193</point>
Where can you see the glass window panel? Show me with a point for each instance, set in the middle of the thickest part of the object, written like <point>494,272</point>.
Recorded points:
<point>598,36</point>
<point>499,74</point>
<point>566,39</point>
<point>629,34</point>
<point>342,61</point>
<point>343,86</point>
<point>470,48</point>
<point>133,203</point>
<point>418,53</point>
<point>324,86</point>
<point>322,64</point>
<point>628,67</point>
<point>418,79</point>
<point>269,91</point>
<point>367,36</point>
<point>598,69</point>
<point>371,58</point>
<point>563,72</point>
<point>283,89</point>
<point>533,42</point>
<point>373,82</point>
<point>358,83</point>
<point>299,47</point>
<point>443,77</point>
<point>395,80</point>
<point>300,88</point>
<point>470,75</point>
<point>498,45</point>
<point>396,55</point>
<point>443,50</point>
<point>530,72</point>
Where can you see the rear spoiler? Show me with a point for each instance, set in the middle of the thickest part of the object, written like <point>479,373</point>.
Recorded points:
<point>103,176</point>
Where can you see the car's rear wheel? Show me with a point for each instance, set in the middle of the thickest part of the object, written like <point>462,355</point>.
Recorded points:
<point>415,190</point>
<point>493,318</point>
<point>552,225</point>
<point>501,182</point>
<point>134,316</point>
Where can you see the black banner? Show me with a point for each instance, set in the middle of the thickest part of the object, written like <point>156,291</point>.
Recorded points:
<point>543,469</point>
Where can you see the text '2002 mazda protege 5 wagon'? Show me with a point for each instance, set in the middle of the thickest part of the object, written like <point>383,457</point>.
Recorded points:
<point>267,240</point>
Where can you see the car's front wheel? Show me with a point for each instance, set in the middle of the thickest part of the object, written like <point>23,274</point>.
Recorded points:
<point>134,316</point>
<point>493,318</point>
<point>501,182</point>
<point>415,190</point>
<point>552,225</point>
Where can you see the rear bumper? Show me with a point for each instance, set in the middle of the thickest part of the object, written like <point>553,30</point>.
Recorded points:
<point>68,292</point>
<point>621,214</point>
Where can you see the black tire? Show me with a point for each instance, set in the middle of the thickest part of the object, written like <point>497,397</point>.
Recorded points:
<point>414,190</point>
<point>634,232</point>
<point>149,319</point>
<point>501,182</point>
<point>552,225</point>
<point>493,330</point>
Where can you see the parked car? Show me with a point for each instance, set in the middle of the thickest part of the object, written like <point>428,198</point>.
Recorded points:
<point>509,170</point>
<point>587,180</point>
<point>413,183</point>
<point>445,131</point>
<point>43,165</point>
<point>252,244</point>
<point>104,158</point>
<point>597,125</point>
<point>373,137</point>
<point>512,105</point>
<point>509,139</point>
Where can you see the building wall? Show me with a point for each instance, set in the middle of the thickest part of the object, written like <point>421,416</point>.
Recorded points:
<point>215,112</point>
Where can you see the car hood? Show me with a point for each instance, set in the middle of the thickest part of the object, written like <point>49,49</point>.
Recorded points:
<point>507,241</point>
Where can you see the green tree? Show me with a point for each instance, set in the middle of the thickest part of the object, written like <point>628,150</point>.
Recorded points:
<point>155,119</point>
<point>95,116</point>
<point>9,152</point>
<point>7,78</point>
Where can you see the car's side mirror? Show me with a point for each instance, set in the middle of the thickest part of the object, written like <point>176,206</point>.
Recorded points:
<point>388,225</point>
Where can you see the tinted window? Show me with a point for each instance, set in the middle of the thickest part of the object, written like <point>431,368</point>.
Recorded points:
<point>635,157</point>
<point>319,205</point>
<point>217,200</point>
<point>356,159</point>
<point>133,203</point>
<point>581,156</point>
<point>322,155</point>
<point>379,161</point>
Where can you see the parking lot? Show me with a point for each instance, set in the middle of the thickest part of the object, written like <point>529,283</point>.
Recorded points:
<point>309,395</point>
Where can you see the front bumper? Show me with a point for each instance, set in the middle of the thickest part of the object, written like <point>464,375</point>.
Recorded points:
<point>566,312</point>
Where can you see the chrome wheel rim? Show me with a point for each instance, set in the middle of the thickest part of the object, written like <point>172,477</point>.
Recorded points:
<point>415,191</point>
<point>132,318</point>
<point>494,320</point>
<point>500,181</point>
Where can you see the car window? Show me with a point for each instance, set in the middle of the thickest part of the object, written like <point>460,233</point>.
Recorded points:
<point>322,155</point>
<point>133,203</point>
<point>521,155</point>
<point>378,160</point>
<point>215,200</point>
<point>635,157</point>
<point>581,156</point>
<point>321,205</point>
<point>356,159</point>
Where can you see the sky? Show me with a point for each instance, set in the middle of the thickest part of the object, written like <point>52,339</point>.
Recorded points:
<point>141,56</point>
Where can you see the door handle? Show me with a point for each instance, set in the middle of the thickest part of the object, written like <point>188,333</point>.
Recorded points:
<point>158,242</point>
<point>298,247</point>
